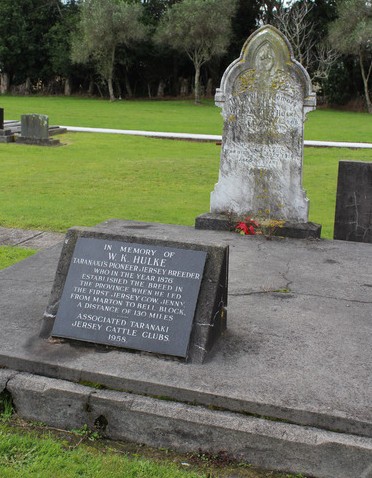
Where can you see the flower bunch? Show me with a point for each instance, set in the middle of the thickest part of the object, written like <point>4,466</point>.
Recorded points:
<point>247,227</point>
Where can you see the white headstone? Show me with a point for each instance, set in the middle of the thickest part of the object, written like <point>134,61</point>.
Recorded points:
<point>264,95</point>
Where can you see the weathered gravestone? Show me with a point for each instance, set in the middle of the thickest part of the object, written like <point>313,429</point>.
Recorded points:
<point>5,135</point>
<point>264,95</point>
<point>35,130</point>
<point>145,294</point>
<point>353,218</point>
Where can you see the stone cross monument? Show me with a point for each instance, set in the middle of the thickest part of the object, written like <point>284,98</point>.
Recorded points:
<point>264,95</point>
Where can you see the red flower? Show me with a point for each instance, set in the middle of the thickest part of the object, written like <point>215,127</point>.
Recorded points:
<point>247,227</point>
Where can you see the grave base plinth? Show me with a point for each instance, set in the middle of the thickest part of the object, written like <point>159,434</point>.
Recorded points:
<point>224,222</point>
<point>38,142</point>
<point>6,137</point>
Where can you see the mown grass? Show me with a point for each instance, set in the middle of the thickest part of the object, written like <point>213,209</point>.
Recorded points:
<point>96,177</point>
<point>320,181</point>
<point>11,255</point>
<point>26,454</point>
<point>35,451</point>
<point>173,115</point>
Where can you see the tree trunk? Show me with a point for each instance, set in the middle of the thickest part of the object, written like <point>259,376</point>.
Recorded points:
<point>91,87</point>
<point>110,75</point>
<point>161,88</point>
<point>209,92</point>
<point>365,76</point>
<point>67,88</point>
<point>111,89</point>
<point>184,90</point>
<point>197,84</point>
<point>28,86</point>
<point>4,83</point>
<point>118,90</point>
<point>128,87</point>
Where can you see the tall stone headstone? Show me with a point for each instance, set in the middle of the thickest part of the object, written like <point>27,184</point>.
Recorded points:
<point>353,218</point>
<point>264,95</point>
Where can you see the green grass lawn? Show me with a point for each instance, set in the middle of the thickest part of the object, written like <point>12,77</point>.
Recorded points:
<point>174,116</point>
<point>94,177</point>
<point>35,451</point>
<point>11,255</point>
<point>25,454</point>
<point>320,181</point>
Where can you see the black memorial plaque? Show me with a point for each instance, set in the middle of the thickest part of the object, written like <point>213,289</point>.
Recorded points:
<point>137,296</point>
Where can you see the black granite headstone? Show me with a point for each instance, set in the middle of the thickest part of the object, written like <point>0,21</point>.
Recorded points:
<point>163,297</point>
<point>5,135</point>
<point>353,218</point>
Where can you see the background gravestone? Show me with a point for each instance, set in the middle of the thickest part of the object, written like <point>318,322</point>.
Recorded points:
<point>35,126</point>
<point>5,135</point>
<point>264,95</point>
<point>35,130</point>
<point>353,218</point>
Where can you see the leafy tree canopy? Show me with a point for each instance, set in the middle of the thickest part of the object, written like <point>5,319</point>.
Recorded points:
<point>351,34</point>
<point>104,26</point>
<point>199,28</point>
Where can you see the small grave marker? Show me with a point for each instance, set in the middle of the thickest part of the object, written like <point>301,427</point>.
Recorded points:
<point>35,130</point>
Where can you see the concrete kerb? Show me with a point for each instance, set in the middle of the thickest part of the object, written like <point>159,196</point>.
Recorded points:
<point>205,137</point>
<point>194,137</point>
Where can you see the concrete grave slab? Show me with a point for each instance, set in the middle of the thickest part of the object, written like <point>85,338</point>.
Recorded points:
<point>29,238</point>
<point>297,350</point>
